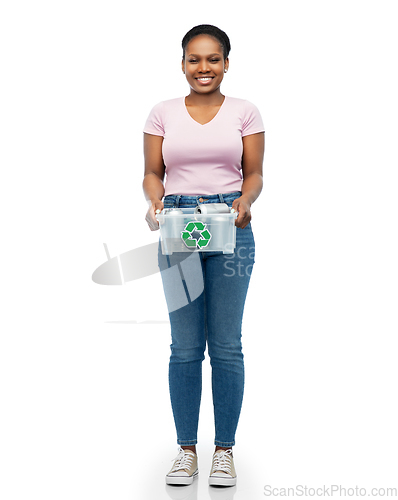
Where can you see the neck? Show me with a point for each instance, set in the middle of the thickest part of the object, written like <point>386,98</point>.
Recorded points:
<point>213,99</point>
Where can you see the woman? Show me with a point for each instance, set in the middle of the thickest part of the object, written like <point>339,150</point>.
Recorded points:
<point>211,147</point>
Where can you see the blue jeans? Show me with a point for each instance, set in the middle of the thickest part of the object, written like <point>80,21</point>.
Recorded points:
<point>214,316</point>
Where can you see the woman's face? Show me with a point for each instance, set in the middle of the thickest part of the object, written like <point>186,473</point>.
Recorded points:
<point>204,64</point>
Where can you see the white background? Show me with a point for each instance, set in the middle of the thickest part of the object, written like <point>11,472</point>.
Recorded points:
<point>84,390</point>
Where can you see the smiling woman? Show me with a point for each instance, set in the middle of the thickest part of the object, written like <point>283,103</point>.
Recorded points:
<point>210,147</point>
<point>202,66</point>
<point>204,62</point>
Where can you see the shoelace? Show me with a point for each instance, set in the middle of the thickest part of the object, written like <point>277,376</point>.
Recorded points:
<point>183,460</point>
<point>222,461</point>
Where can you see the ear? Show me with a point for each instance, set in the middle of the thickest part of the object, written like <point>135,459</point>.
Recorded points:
<point>226,64</point>
<point>183,66</point>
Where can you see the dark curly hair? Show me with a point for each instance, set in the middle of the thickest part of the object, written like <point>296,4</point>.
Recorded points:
<point>208,29</point>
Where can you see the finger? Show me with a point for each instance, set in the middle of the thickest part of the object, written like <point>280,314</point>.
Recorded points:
<point>243,220</point>
<point>238,221</point>
<point>152,222</point>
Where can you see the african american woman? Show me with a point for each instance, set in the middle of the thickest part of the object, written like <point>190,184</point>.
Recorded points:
<point>211,148</point>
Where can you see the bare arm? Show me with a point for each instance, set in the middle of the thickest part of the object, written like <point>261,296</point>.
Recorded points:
<point>153,177</point>
<point>252,169</point>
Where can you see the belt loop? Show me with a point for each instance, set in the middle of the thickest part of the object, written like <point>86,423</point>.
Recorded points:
<point>221,198</point>
<point>177,202</point>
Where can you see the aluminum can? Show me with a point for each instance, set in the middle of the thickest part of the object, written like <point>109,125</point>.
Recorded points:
<point>217,229</point>
<point>173,211</point>
<point>212,208</point>
<point>174,223</point>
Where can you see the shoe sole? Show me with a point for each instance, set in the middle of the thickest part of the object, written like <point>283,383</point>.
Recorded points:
<point>184,480</point>
<point>222,481</point>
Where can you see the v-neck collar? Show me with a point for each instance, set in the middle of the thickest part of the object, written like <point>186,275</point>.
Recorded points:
<point>207,123</point>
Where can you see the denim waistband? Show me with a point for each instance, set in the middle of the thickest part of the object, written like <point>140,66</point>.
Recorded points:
<point>183,199</point>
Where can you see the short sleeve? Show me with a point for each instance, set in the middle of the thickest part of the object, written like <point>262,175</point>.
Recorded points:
<point>252,121</point>
<point>155,123</point>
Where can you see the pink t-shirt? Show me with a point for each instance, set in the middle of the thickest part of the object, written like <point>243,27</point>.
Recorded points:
<point>203,159</point>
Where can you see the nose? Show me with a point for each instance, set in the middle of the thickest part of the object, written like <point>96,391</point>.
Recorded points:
<point>203,67</point>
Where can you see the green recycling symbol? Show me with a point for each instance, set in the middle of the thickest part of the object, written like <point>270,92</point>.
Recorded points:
<point>195,234</point>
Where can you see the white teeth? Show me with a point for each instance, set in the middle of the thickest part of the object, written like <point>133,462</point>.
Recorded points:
<point>205,79</point>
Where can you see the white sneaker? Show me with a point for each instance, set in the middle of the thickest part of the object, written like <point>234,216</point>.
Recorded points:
<point>223,470</point>
<point>185,468</point>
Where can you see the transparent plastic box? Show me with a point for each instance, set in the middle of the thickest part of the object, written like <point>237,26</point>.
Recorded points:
<point>193,232</point>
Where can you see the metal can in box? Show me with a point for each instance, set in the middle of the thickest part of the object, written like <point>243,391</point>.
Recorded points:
<point>218,225</point>
<point>212,208</point>
<point>177,223</point>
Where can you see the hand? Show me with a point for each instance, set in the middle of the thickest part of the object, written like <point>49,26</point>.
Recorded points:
<point>242,206</point>
<point>150,215</point>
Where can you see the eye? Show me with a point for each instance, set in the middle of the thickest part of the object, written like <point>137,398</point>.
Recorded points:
<point>192,61</point>
<point>214,60</point>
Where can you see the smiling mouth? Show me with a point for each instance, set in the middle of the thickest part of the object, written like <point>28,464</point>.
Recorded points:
<point>205,78</point>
